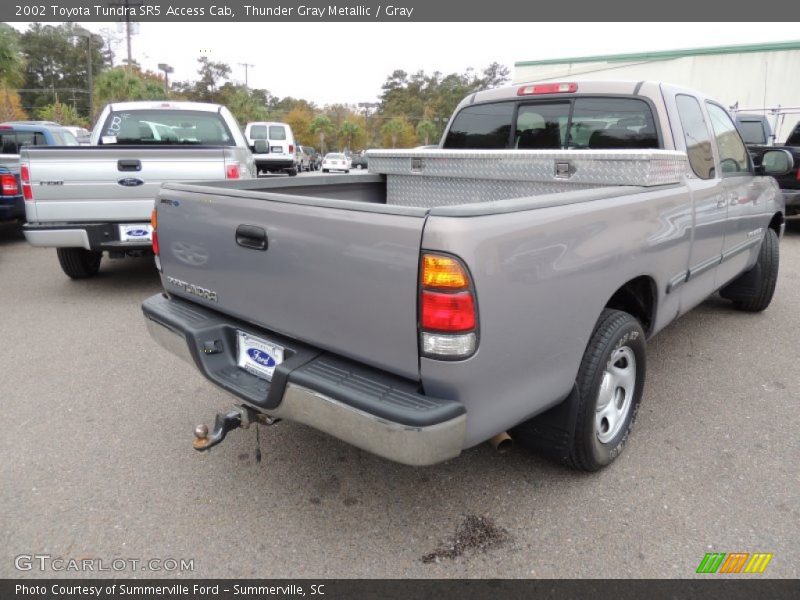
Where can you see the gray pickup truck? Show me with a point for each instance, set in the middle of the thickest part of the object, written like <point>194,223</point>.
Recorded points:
<point>504,283</point>
<point>86,200</point>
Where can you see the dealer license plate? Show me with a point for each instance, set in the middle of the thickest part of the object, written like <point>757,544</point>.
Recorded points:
<point>135,232</point>
<point>258,356</point>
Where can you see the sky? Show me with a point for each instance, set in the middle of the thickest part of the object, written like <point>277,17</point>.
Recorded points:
<point>329,63</point>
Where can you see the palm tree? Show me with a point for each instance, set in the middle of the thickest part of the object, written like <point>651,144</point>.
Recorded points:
<point>394,128</point>
<point>348,131</point>
<point>425,131</point>
<point>321,125</point>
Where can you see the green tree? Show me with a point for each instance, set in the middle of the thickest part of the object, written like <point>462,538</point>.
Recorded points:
<point>12,64</point>
<point>62,113</point>
<point>393,129</point>
<point>57,63</point>
<point>321,126</point>
<point>347,132</point>
<point>426,131</point>
<point>212,74</point>
<point>244,105</point>
<point>115,85</point>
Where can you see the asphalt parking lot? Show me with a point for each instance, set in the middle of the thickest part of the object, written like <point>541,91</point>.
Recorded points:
<point>97,457</point>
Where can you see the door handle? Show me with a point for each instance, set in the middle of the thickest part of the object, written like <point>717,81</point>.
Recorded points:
<point>129,165</point>
<point>252,237</point>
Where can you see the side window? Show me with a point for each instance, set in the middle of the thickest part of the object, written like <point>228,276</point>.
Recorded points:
<point>39,139</point>
<point>482,126</point>
<point>695,133</point>
<point>25,138</point>
<point>733,157</point>
<point>541,126</point>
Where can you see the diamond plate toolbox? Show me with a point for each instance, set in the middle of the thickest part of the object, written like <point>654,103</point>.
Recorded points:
<point>588,167</point>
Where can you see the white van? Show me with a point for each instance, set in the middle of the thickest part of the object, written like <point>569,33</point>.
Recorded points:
<point>280,146</point>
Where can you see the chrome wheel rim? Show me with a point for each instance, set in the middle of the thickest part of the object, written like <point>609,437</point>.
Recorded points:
<point>615,397</point>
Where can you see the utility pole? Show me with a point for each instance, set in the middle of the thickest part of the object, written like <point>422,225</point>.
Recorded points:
<point>127,5</point>
<point>246,66</point>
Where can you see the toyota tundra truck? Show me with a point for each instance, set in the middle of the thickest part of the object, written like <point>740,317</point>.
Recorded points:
<point>503,284</point>
<point>89,200</point>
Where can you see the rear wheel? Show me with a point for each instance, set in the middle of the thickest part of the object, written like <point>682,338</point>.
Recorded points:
<point>292,172</point>
<point>589,430</point>
<point>752,291</point>
<point>78,263</point>
<point>324,170</point>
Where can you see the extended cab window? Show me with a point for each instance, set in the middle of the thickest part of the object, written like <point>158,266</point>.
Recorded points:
<point>482,126</point>
<point>733,157</point>
<point>166,127</point>
<point>696,136</point>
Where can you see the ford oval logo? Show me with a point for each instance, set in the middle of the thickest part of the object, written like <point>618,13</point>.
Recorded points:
<point>137,232</point>
<point>130,182</point>
<point>261,357</point>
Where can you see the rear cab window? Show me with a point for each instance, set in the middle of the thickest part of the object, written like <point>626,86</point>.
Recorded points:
<point>753,132</point>
<point>579,123</point>
<point>166,127</point>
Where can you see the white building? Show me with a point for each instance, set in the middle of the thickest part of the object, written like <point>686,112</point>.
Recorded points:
<point>752,78</point>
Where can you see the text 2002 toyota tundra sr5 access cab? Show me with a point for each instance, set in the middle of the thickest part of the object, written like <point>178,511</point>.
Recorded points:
<point>86,200</point>
<point>506,281</point>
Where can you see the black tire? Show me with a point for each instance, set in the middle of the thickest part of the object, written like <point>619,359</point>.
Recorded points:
<point>752,291</point>
<point>347,170</point>
<point>570,432</point>
<point>78,263</point>
<point>324,170</point>
<point>292,172</point>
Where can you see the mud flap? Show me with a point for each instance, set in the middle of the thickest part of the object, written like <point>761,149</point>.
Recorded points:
<point>551,433</point>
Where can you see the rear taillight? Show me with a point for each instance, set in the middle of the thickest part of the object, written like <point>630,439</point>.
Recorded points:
<point>547,88</point>
<point>232,171</point>
<point>9,185</point>
<point>291,148</point>
<point>25,176</point>
<point>798,174</point>
<point>154,224</point>
<point>448,319</point>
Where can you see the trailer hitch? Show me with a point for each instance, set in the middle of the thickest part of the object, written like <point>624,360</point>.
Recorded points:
<point>238,417</point>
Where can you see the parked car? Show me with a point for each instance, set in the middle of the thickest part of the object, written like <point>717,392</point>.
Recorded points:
<point>81,134</point>
<point>757,134</point>
<point>358,160</point>
<point>12,206</point>
<point>15,135</point>
<point>335,161</point>
<point>88,200</point>
<point>303,160</point>
<point>315,158</point>
<point>450,296</point>
<point>277,152</point>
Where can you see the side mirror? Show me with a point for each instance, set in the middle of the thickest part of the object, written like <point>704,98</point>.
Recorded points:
<point>776,162</point>
<point>260,147</point>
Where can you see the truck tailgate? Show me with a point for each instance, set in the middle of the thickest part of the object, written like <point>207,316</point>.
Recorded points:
<point>340,280</point>
<point>112,182</point>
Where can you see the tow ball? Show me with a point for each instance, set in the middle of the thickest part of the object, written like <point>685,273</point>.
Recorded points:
<point>236,418</point>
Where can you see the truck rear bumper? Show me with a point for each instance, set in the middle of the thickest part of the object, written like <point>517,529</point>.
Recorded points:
<point>91,236</point>
<point>368,408</point>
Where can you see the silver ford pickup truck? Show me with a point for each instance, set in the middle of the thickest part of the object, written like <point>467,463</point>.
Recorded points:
<point>86,200</point>
<point>502,284</point>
